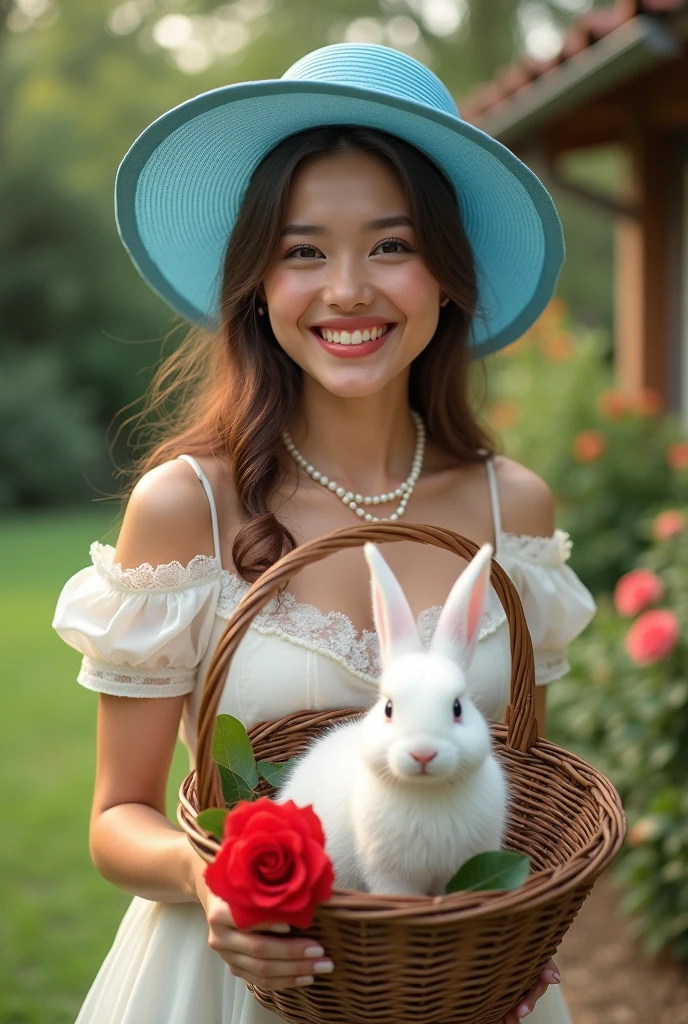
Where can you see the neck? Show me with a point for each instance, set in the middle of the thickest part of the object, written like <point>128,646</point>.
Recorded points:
<point>365,443</point>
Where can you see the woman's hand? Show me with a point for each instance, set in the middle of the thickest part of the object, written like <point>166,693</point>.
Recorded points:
<point>549,976</point>
<point>263,960</point>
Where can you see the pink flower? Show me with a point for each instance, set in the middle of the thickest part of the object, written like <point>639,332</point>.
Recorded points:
<point>653,636</point>
<point>635,591</point>
<point>667,524</point>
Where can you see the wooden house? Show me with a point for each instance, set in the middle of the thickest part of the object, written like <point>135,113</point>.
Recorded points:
<point>620,78</point>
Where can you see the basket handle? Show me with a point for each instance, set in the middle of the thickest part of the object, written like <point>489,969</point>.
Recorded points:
<point>520,716</point>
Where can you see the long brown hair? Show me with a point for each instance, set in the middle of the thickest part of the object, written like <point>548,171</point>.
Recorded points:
<point>233,391</point>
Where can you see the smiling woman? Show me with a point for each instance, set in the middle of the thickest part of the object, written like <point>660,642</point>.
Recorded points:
<point>344,244</point>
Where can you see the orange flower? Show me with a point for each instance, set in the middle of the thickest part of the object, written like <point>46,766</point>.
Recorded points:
<point>612,404</point>
<point>505,414</point>
<point>553,313</point>
<point>636,590</point>
<point>648,402</point>
<point>589,445</point>
<point>643,831</point>
<point>677,455</point>
<point>653,636</point>
<point>558,346</point>
<point>668,523</point>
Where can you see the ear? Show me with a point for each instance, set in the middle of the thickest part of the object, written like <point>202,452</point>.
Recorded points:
<point>394,621</point>
<point>459,624</point>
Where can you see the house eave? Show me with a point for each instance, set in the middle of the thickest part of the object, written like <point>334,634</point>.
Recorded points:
<point>633,48</point>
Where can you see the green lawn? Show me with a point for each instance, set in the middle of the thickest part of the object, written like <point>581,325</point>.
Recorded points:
<point>58,915</point>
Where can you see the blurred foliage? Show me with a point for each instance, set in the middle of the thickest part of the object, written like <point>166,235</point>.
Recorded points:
<point>631,722</point>
<point>605,455</point>
<point>79,81</point>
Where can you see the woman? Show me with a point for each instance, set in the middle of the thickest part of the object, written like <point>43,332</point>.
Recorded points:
<point>327,381</point>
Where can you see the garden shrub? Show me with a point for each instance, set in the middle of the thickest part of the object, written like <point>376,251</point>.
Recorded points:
<point>610,459</point>
<point>624,707</point>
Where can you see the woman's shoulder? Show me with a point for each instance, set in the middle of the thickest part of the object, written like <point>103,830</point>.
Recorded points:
<point>167,516</point>
<point>526,501</point>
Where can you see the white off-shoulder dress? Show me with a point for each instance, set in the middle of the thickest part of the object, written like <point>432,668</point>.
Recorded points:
<point>151,632</point>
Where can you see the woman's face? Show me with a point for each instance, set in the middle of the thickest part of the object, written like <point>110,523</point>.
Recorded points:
<point>348,265</point>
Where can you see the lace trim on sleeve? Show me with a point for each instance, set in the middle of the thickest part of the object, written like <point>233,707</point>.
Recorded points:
<point>554,550</point>
<point>550,665</point>
<point>126,681</point>
<point>170,576</point>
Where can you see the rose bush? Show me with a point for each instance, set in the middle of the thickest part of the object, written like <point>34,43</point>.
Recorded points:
<point>624,708</point>
<point>272,864</point>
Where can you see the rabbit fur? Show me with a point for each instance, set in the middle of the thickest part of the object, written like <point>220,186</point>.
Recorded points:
<point>395,823</point>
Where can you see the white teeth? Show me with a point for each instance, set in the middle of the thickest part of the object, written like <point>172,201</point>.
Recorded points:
<point>352,338</point>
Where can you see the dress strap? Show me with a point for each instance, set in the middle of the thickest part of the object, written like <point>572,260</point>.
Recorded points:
<point>211,501</point>
<point>494,498</point>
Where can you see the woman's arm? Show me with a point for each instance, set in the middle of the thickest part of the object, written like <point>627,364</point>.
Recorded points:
<point>133,844</point>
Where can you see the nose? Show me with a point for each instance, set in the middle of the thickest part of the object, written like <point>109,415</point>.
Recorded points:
<point>423,756</point>
<point>346,285</point>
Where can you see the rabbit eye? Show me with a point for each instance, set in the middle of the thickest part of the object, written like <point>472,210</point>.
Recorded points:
<point>388,709</point>
<point>457,708</point>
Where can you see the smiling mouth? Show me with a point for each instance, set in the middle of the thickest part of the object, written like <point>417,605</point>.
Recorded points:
<point>352,337</point>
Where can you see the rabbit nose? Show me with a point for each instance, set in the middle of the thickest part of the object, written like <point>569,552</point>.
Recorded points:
<point>423,755</point>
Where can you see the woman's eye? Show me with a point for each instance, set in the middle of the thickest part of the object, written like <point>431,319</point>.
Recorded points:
<point>393,246</point>
<point>302,251</point>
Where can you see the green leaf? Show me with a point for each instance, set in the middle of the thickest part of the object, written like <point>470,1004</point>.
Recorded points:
<point>232,749</point>
<point>275,774</point>
<point>234,787</point>
<point>496,869</point>
<point>213,820</point>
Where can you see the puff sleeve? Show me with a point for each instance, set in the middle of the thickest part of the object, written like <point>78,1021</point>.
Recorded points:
<point>557,605</point>
<point>142,631</point>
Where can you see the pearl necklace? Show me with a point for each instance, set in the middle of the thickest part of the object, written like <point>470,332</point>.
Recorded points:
<point>355,501</point>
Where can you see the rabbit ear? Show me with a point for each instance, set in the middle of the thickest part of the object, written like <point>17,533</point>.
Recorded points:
<point>458,627</point>
<point>394,621</point>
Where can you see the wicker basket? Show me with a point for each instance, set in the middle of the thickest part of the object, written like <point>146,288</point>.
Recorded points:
<point>460,959</point>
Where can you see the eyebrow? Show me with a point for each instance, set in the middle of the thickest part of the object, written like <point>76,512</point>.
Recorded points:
<point>398,220</point>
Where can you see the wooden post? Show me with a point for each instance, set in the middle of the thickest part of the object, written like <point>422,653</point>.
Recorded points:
<point>642,274</point>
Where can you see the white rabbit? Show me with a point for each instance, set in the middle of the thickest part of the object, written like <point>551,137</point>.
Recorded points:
<point>410,791</point>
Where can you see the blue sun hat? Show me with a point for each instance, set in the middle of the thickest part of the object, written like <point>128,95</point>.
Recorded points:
<point>180,186</point>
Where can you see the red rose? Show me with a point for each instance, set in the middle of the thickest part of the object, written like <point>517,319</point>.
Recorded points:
<point>653,636</point>
<point>636,590</point>
<point>272,864</point>
<point>668,523</point>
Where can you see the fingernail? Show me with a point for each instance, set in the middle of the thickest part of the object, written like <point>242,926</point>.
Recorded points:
<point>305,979</point>
<point>323,966</point>
<point>553,977</point>
<point>522,1011</point>
<point>313,951</point>
<point>281,928</point>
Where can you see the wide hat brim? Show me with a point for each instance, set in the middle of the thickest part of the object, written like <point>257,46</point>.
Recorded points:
<point>179,188</point>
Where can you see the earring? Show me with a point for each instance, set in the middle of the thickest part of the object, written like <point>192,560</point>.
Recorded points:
<point>445,301</point>
<point>261,310</point>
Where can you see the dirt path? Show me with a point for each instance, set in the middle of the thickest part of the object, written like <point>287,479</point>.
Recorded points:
<point>626,986</point>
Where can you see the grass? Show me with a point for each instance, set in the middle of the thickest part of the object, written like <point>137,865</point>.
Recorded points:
<point>59,916</point>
